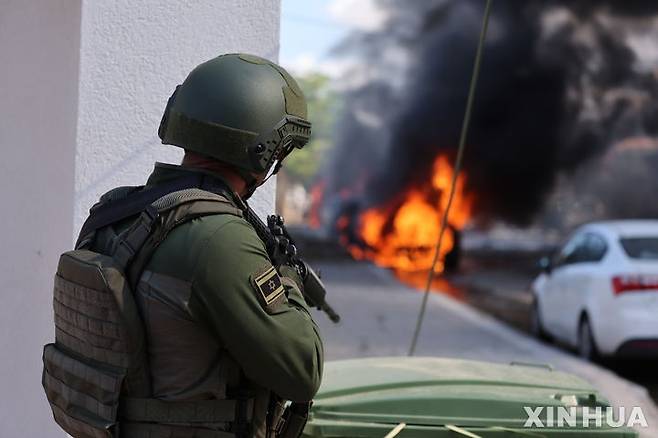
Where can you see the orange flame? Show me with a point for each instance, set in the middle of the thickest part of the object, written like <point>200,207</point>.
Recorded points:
<point>404,236</point>
<point>317,195</point>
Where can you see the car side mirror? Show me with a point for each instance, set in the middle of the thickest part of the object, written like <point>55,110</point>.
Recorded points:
<point>545,264</point>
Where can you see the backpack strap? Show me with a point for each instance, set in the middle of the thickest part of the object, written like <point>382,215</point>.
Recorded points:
<point>173,209</point>
<point>123,202</point>
<point>129,243</point>
<point>159,210</point>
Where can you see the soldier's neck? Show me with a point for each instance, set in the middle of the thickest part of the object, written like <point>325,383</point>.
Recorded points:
<point>232,178</point>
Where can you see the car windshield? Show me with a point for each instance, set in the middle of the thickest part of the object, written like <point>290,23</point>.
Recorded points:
<point>645,248</point>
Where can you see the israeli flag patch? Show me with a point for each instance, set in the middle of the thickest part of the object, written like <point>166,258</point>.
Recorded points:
<point>268,285</point>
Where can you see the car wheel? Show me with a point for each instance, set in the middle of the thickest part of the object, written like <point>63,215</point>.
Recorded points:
<point>586,344</point>
<point>536,324</point>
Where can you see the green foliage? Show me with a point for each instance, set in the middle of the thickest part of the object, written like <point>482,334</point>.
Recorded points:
<point>323,103</point>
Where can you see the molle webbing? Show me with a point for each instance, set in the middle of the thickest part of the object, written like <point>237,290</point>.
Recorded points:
<point>96,316</point>
<point>84,398</point>
<point>96,373</point>
<point>69,381</point>
<point>76,319</point>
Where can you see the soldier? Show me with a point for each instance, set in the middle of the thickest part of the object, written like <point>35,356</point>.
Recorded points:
<point>220,321</point>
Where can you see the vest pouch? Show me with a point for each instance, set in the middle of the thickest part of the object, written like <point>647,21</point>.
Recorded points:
<point>96,374</point>
<point>99,350</point>
<point>84,398</point>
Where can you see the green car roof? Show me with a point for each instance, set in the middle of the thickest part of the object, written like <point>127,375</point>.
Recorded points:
<point>368,397</point>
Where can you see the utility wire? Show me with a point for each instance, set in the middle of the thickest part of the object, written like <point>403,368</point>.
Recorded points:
<point>457,167</point>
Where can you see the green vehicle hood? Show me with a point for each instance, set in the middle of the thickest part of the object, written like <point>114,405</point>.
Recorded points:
<point>438,392</point>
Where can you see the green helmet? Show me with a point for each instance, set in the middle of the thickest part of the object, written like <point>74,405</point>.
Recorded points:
<point>240,109</point>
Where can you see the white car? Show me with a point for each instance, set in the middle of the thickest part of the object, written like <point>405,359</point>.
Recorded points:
<point>599,293</point>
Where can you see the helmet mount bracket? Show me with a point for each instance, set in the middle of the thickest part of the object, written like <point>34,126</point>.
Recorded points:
<point>290,133</point>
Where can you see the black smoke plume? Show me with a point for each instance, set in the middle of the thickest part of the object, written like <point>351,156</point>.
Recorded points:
<point>560,82</point>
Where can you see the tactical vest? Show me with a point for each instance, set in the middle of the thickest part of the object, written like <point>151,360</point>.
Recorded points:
<point>96,374</point>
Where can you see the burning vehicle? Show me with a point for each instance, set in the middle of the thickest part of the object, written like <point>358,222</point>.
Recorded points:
<point>561,83</point>
<point>400,233</point>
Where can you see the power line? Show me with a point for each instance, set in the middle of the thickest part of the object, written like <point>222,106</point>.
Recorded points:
<point>457,168</point>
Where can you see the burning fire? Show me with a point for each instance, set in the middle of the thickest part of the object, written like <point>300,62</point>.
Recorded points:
<point>317,195</point>
<point>403,234</point>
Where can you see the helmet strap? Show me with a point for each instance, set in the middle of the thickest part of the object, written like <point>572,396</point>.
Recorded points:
<point>250,181</point>
<point>251,188</point>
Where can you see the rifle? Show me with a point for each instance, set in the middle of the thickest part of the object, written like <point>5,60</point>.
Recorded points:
<point>281,248</point>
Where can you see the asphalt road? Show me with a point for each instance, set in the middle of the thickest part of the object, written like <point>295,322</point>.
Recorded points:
<point>505,294</point>
<point>379,315</point>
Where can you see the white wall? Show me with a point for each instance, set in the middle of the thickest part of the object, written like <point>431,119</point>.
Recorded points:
<point>133,55</point>
<point>82,87</point>
<point>38,99</point>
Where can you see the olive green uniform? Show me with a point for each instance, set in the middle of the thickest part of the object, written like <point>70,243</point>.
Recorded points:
<point>216,337</point>
<point>208,330</point>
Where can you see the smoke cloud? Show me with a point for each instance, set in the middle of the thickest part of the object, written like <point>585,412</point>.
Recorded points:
<point>561,81</point>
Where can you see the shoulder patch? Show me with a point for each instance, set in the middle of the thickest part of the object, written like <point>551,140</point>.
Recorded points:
<point>269,287</point>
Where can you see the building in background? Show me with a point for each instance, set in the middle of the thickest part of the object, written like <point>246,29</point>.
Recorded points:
<point>82,88</point>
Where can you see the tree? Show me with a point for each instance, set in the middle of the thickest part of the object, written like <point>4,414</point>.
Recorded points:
<point>323,104</point>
